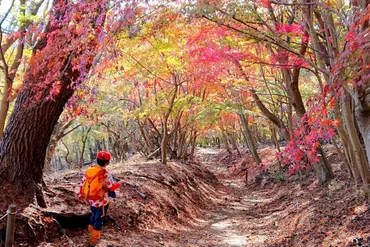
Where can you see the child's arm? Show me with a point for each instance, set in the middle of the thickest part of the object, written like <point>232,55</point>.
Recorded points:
<point>112,186</point>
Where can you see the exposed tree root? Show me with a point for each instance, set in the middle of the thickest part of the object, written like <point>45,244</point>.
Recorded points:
<point>69,220</point>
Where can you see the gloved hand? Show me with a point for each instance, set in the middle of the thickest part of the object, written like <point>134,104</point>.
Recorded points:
<point>111,194</point>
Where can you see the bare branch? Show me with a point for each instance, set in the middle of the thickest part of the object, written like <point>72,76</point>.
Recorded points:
<point>144,67</point>
<point>69,131</point>
<point>7,13</point>
<point>293,4</point>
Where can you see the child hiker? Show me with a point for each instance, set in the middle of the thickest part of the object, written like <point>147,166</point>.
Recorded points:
<point>96,187</point>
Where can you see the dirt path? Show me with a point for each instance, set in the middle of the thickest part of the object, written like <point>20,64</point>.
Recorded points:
<point>279,214</point>
<point>227,224</point>
<point>234,221</point>
<point>267,214</point>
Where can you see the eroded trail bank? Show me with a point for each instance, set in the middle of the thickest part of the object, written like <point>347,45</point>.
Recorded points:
<point>204,203</point>
<point>156,201</point>
<point>275,210</point>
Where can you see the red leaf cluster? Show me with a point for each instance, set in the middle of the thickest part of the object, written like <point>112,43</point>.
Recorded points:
<point>294,29</point>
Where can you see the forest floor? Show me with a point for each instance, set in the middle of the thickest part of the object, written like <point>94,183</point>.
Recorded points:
<point>205,203</point>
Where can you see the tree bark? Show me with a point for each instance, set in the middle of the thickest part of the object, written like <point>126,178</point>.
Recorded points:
<point>164,143</point>
<point>193,145</point>
<point>22,151</point>
<point>363,120</point>
<point>345,138</point>
<point>225,141</point>
<point>249,139</point>
<point>359,155</point>
<point>234,144</point>
<point>25,140</point>
<point>83,139</point>
<point>165,134</point>
<point>274,136</point>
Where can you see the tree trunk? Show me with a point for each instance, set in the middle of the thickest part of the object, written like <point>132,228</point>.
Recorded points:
<point>323,169</point>
<point>84,139</point>
<point>175,139</point>
<point>77,152</point>
<point>226,142</point>
<point>193,145</point>
<point>274,137</point>
<point>49,154</point>
<point>290,129</point>
<point>182,145</point>
<point>105,146</point>
<point>165,134</point>
<point>10,73</point>
<point>4,107</point>
<point>348,147</point>
<point>343,158</point>
<point>363,120</point>
<point>234,144</point>
<point>69,163</point>
<point>359,159</point>
<point>26,137</point>
<point>91,153</point>
<point>164,143</point>
<point>249,139</point>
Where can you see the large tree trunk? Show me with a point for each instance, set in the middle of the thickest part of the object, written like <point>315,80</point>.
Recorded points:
<point>362,103</point>
<point>364,126</point>
<point>22,151</point>
<point>363,120</point>
<point>323,169</point>
<point>25,140</point>
<point>347,144</point>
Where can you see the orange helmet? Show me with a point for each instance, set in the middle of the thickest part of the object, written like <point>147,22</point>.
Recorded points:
<point>103,155</point>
